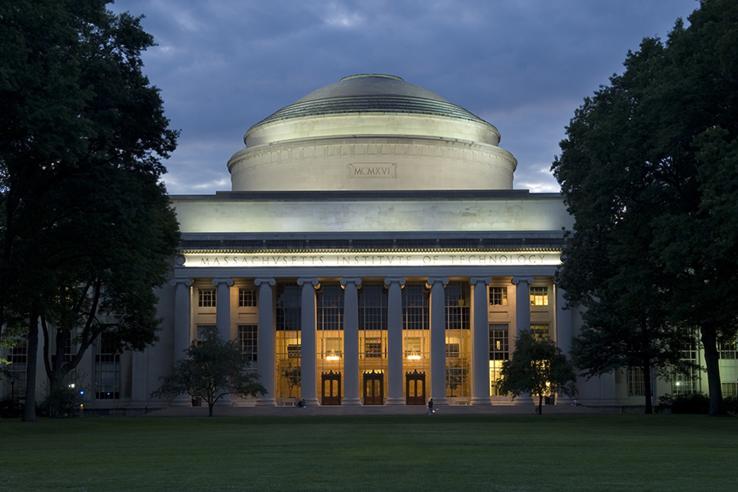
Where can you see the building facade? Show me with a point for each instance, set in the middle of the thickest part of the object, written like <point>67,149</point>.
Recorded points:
<point>372,251</point>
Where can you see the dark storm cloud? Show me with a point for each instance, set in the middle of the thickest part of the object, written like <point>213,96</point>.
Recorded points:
<point>223,65</point>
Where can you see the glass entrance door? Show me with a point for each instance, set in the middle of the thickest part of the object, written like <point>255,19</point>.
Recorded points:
<point>415,388</point>
<point>330,384</point>
<point>373,388</point>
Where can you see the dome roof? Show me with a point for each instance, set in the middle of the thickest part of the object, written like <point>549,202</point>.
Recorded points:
<point>371,93</point>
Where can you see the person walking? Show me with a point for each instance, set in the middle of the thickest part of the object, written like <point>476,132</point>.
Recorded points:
<point>430,407</point>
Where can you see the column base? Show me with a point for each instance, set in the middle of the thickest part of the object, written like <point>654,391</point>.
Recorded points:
<point>266,402</point>
<point>311,402</point>
<point>395,401</point>
<point>481,401</point>
<point>351,402</point>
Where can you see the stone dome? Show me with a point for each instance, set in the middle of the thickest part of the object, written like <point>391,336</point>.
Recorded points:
<point>371,132</point>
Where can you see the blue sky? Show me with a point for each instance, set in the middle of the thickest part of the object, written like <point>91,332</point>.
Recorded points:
<point>523,65</point>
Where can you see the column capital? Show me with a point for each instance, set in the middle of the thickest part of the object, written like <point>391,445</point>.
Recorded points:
<point>435,280</point>
<point>351,280</point>
<point>220,281</point>
<point>268,281</point>
<point>187,282</point>
<point>522,280</point>
<point>394,280</point>
<point>479,280</point>
<point>308,280</point>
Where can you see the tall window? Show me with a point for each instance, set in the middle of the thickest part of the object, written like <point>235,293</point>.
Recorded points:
<point>498,296</point>
<point>288,307</point>
<point>457,306</point>
<point>540,332</point>
<point>689,382</point>
<point>499,347</point>
<point>415,307</point>
<point>16,371</point>
<point>539,296</point>
<point>636,382</point>
<point>727,349</point>
<point>730,390</point>
<point>204,330</point>
<point>372,308</point>
<point>246,297</point>
<point>330,308</point>
<point>206,297</point>
<point>107,369</point>
<point>247,339</point>
<point>373,348</point>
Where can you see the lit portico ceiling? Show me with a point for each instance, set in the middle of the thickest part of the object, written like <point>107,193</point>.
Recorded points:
<point>371,132</point>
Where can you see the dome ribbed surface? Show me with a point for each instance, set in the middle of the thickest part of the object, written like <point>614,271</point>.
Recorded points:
<point>371,93</point>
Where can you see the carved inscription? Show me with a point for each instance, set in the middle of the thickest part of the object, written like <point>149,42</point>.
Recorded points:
<point>372,170</point>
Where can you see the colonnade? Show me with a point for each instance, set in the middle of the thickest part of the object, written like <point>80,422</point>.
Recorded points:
<point>480,379</point>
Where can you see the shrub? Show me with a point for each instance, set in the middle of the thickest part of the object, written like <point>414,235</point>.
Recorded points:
<point>61,402</point>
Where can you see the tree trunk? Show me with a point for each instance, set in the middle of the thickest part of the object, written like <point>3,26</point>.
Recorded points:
<point>210,409</point>
<point>648,391</point>
<point>540,403</point>
<point>709,341</point>
<point>29,410</point>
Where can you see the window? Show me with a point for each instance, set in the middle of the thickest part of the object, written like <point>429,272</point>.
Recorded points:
<point>452,350</point>
<point>288,307</point>
<point>293,351</point>
<point>372,308</point>
<point>107,368</point>
<point>539,296</point>
<point>499,348</point>
<point>330,308</point>
<point>636,382</point>
<point>373,348</point>
<point>539,332</point>
<point>415,307</point>
<point>246,297</point>
<point>204,330</point>
<point>498,296</point>
<point>332,348</point>
<point>247,339</point>
<point>19,353</point>
<point>413,348</point>
<point>206,297</point>
<point>727,349</point>
<point>457,306</point>
<point>730,390</point>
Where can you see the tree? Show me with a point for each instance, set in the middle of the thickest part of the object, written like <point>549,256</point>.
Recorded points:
<point>82,135</point>
<point>650,161</point>
<point>211,370</point>
<point>537,367</point>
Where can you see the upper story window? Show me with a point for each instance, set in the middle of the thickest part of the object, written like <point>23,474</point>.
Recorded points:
<point>206,297</point>
<point>288,307</point>
<point>727,349</point>
<point>457,306</point>
<point>539,296</point>
<point>372,307</point>
<point>415,307</point>
<point>246,297</point>
<point>330,307</point>
<point>247,339</point>
<point>498,296</point>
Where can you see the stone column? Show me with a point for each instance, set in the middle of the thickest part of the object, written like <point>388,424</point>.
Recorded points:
<point>350,341</point>
<point>182,326</point>
<point>564,332</point>
<point>394,340</point>
<point>522,320</point>
<point>265,340</point>
<point>438,339</point>
<point>480,343</point>
<point>223,307</point>
<point>182,317</point>
<point>307,333</point>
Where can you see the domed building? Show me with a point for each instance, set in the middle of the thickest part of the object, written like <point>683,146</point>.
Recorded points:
<point>371,251</point>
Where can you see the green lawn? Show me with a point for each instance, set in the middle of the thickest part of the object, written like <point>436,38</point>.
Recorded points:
<point>372,453</point>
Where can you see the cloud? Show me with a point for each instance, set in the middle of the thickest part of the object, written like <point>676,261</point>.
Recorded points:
<point>223,65</point>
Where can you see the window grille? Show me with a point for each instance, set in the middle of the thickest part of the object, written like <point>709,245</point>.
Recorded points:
<point>246,297</point>
<point>499,348</point>
<point>457,306</point>
<point>372,308</point>
<point>206,297</point>
<point>330,308</point>
<point>498,296</point>
<point>539,296</point>
<point>107,368</point>
<point>288,307</point>
<point>415,307</point>
<point>247,338</point>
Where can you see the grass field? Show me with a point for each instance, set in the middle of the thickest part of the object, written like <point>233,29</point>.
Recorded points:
<point>372,453</point>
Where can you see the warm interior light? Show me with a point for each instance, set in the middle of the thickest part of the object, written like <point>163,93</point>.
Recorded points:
<point>414,357</point>
<point>332,357</point>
